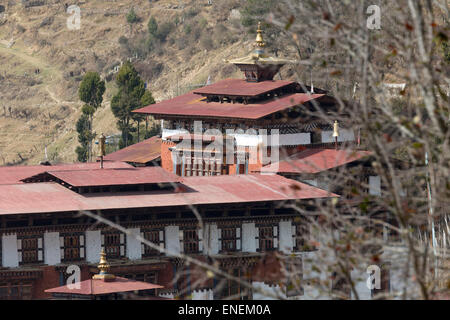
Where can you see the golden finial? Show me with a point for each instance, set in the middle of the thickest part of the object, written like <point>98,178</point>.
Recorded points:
<point>259,42</point>
<point>102,145</point>
<point>336,129</point>
<point>103,266</point>
<point>336,133</point>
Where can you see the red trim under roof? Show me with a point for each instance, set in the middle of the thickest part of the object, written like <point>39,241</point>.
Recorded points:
<point>99,287</point>
<point>47,197</point>
<point>243,88</point>
<point>191,104</point>
<point>315,160</point>
<point>115,177</point>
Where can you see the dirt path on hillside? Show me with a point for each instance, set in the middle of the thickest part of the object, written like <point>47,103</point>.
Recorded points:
<point>51,73</point>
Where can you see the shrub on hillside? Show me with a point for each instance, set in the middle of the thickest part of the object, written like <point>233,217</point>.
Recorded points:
<point>164,30</point>
<point>132,17</point>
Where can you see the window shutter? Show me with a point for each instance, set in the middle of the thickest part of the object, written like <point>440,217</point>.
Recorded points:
<point>275,236</point>
<point>20,256</point>
<point>142,248</point>
<point>161,236</point>
<point>294,236</point>
<point>238,244</point>
<point>61,242</point>
<point>19,244</point>
<point>103,239</point>
<point>257,238</point>
<point>81,240</point>
<point>122,244</point>
<point>81,252</point>
<point>200,239</point>
<point>40,255</point>
<point>62,253</point>
<point>39,243</point>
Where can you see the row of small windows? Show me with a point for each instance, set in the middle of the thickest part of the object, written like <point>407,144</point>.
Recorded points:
<point>73,245</point>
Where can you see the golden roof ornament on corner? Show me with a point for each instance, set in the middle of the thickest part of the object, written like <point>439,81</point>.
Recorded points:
<point>103,267</point>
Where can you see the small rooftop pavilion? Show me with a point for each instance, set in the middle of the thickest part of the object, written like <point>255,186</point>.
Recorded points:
<point>104,286</point>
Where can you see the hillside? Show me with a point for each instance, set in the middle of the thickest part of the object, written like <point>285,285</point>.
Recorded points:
<point>42,62</point>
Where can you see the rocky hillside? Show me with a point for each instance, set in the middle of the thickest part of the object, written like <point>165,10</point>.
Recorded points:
<point>43,59</point>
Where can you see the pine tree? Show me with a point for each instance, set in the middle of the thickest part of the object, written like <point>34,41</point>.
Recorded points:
<point>127,99</point>
<point>91,92</point>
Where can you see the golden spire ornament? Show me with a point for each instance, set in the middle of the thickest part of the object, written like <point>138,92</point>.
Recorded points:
<point>103,267</point>
<point>259,42</point>
<point>336,133</point>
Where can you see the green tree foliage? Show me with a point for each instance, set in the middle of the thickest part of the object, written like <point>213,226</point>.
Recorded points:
<point>91,92</point>
<point>82,127</point>
<point>132,17</point>
<point>127,99</point>
<point>92,89</point>
<point>146,100</point>
<point>164,30</point>
<point>152,26</point>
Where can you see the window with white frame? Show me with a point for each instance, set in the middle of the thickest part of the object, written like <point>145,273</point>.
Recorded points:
<point>156,236</point>
<point>230,239</point>
<point>113,242</point>
<point>30,249</point>
<point>72,246</point>
<point>191,240</point>
<point>266,238</point>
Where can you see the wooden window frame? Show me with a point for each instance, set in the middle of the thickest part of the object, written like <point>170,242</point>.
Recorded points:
<point>39,249</point>
<point>120,246</point>
<point>301,234</point>
<point>147,234</point>
<point>261,244</point>
<point>20,291</point>
<point>66,249</point>
<point>191,240</point>
<point>235,240</point>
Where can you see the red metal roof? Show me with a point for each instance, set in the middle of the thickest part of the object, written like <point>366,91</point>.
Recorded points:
<point>142,152</point>
<point>110,177</point>
<point>49,197</point>
<point>191,104</point>
<point>240,87</point>
<point>14,174</point>
<point>99,287</point>
<point>315,160</point>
